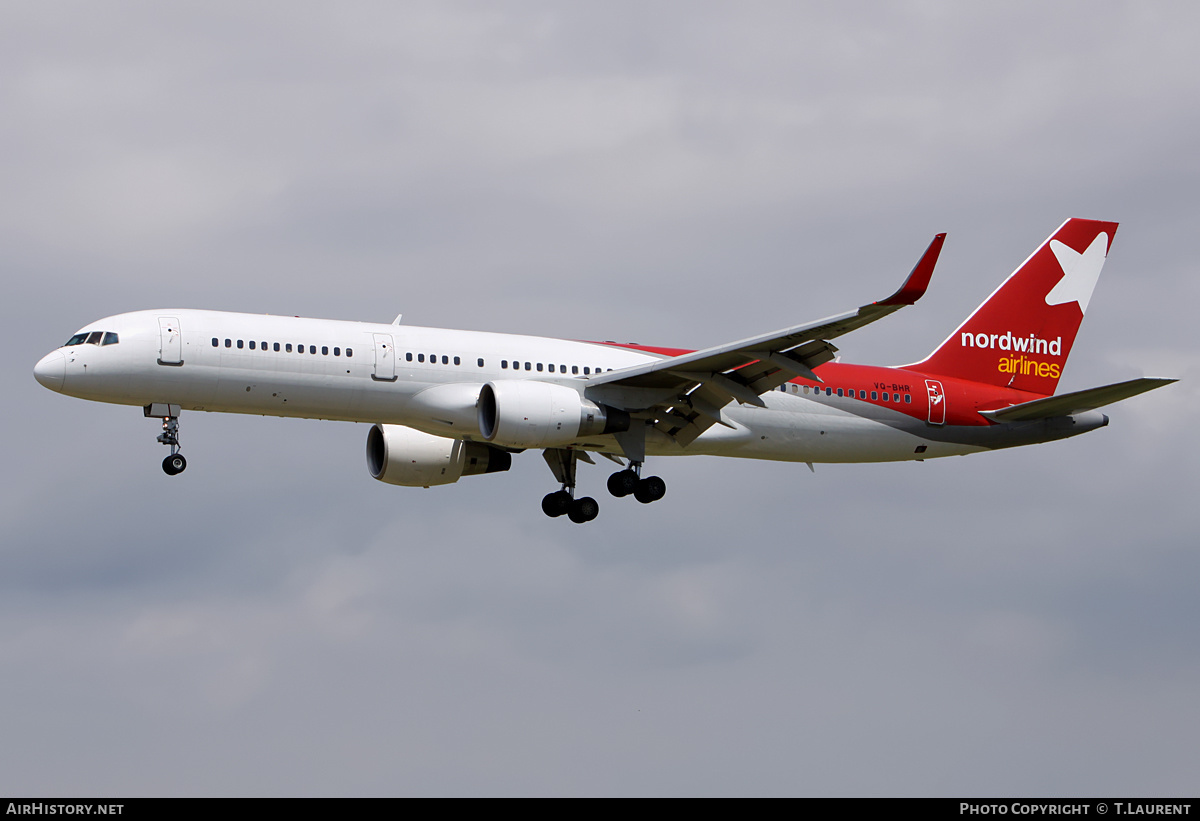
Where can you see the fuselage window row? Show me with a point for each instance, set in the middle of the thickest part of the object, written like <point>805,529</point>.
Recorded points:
<point>846,392</point>
<point>287,347</point>
<point>516,366</point>
<point>433,359</point>
<point>240,344</point>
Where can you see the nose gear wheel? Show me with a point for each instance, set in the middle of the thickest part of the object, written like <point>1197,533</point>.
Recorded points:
<point>175,463</point>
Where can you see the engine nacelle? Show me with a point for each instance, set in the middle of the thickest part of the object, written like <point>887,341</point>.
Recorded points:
<point>519,413</point>
<point>400,455</point>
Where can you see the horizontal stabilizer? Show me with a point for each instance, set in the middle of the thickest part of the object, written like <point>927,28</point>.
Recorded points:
<point>1075,402</point>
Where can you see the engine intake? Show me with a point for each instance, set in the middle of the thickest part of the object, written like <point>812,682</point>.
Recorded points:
<point>400,455</point>
<point>530,414</point>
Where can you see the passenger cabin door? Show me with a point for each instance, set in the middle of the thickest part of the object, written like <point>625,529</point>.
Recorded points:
<point>385,359</point>
<point>937,402</point>
<point>170,343</point>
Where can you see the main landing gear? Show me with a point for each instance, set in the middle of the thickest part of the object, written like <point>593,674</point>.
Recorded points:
<point>175,463</point>
<point>629,481</point>
<point>562,464</point>
<point>577,510</point>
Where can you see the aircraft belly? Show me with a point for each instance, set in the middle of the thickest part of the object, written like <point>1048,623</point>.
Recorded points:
<point>799,430</point>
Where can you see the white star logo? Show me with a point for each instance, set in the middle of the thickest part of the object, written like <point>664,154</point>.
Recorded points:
<point>1080,271</point>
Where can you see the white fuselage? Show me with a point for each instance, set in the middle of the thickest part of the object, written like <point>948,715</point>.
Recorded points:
<point>428,379</point>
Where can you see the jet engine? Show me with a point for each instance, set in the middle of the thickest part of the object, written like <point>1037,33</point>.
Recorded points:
<point>400,455</point>
<point>528,414</point>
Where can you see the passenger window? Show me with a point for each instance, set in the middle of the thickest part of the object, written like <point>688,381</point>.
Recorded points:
<point>874,395</point>
<point>480,361</point>
<point>214,342</point>
<point>503,364</point>
<point>839,392</point>
<point>407,356</point>
<point>445,359</point>
<point>262,345</point>
<point>251,344</point>
<point>420,357</point>
<point>457,361</point>
<point>299,349</point>
<point>288,347</point>
<point>338,352</point>
<point>528,366</point>
<point>539,367</point>
<point>349,352</point>
<point>908,398</point>
<point>228,343</point>
<point>574,369</point>
<point>587,370</point>
<point>324,350</point>
<point>240,345</point>
<point>312,349</point>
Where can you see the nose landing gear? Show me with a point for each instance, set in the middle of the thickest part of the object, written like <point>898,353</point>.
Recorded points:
<point>175,463</point>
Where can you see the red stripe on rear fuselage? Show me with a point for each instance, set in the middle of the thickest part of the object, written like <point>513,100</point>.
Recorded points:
<point>964,398</point>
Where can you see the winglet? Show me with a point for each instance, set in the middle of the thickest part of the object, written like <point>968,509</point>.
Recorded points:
<point>914,287</point>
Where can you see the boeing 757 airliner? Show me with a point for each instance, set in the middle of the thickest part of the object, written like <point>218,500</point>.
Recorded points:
<point>444,404</point>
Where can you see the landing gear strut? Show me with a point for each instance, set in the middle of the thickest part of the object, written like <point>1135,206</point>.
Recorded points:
<point>629,481</point>
<point>175,463</point>
<point>562,464</point>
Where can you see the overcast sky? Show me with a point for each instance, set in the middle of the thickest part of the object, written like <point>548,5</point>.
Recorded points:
<point>275,622</point>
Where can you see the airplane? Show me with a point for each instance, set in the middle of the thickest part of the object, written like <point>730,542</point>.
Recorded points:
<point>444,404</point>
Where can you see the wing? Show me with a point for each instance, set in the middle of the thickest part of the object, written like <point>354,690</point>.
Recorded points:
<point>682,396</point>
<point>1075,402</point>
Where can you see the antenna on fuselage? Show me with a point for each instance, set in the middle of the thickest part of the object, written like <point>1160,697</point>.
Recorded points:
<point>396,321</point>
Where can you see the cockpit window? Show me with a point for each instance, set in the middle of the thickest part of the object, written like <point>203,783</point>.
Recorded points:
<point>93,338</point>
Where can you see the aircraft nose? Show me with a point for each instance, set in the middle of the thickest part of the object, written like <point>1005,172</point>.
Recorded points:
<point>51,371</point>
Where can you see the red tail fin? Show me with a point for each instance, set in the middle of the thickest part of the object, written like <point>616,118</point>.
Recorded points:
<point>1021,335</point>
